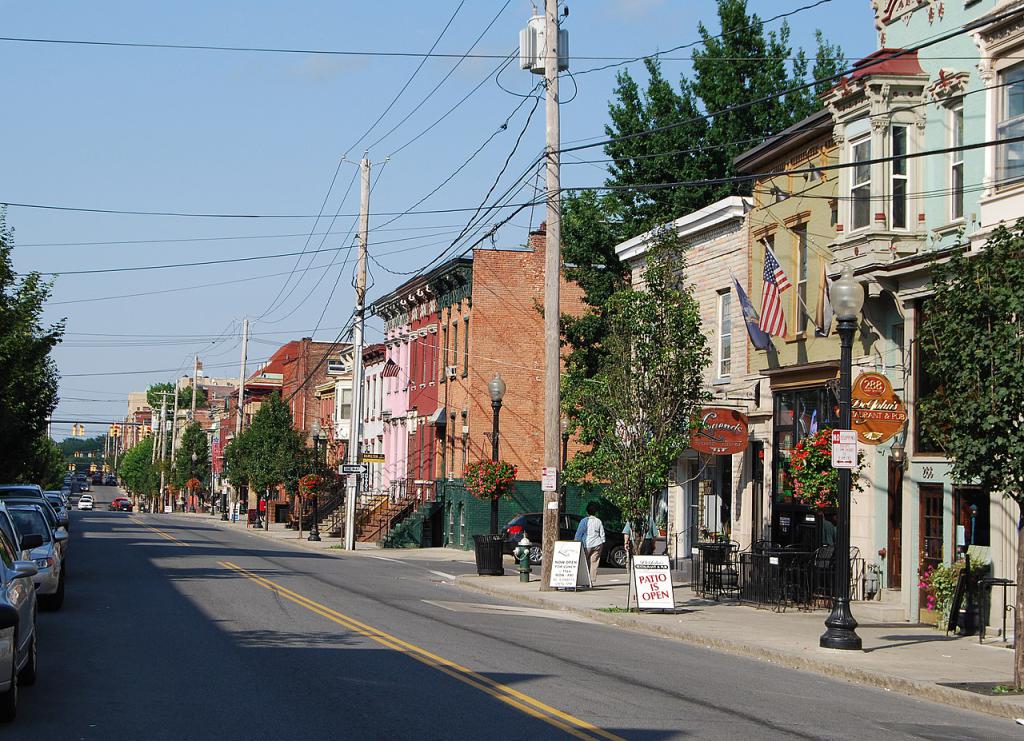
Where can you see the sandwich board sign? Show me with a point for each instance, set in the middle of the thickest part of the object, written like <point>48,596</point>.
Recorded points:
<point>568,567</point>
<point>652,581</point>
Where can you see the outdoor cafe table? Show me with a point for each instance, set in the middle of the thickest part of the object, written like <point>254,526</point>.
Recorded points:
<point>777,578</point>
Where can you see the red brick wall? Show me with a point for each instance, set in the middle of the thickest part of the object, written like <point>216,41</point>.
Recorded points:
<point>506,337</point>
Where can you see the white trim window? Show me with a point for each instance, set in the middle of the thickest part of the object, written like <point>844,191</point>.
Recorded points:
<point>900,178</point>
<point>800,233</point>
<point>956,162</point>
<point>860,187</point>
<point>1010,164</point>
<point>724,333</point>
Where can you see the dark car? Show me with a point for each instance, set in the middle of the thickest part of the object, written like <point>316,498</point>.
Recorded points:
<point>97,479</point>
<point>532,525</point>
<point>110,480</point>
<point>121,504</point>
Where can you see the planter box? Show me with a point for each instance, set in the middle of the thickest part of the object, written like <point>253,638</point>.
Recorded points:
<point>928,617</point>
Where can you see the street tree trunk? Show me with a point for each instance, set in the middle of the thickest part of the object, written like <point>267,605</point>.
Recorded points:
<point>266,510</point>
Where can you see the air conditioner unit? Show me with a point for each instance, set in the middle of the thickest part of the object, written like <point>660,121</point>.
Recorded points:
<point>451,371</point>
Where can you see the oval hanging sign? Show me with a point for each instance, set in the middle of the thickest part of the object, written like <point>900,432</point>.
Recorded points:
<point>876,411</point>
<point>722,431</point>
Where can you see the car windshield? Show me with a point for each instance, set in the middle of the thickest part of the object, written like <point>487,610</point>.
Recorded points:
<point>55,499</point>
<point>31,522</point>
<point>18,491</point>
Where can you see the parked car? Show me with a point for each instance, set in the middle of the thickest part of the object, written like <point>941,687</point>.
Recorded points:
<point>49,577</point>
<point>60,506</point>
<point>85,502</point>
<point>51,521</point>
<point>18,605</point>
<point>21,490</point>
<point>110,480</point>
<point>532,525</point>
<point>121,504</point>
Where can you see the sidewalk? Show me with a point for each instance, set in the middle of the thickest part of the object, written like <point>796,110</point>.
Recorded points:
<point>912,659</point>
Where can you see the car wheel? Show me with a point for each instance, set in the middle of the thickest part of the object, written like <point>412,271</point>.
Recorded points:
<point>27,675</point>
<point>618,557</point>
<point>9,699</point>
<point>536,555</point>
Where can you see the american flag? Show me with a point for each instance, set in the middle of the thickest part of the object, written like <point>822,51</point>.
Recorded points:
<point>773,320</point>
<point>390,369</point>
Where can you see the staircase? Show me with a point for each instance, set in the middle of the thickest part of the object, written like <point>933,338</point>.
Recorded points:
<point>378,514</point>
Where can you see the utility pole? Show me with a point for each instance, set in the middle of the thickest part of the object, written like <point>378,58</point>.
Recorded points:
<point>552,275</point>
<point>163,444</point>
<point>195,386</point>
<point>241,379</point>
<point>174,427</point>
<point>355,431</point>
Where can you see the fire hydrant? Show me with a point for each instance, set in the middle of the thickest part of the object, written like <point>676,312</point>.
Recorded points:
<point>523,554</point>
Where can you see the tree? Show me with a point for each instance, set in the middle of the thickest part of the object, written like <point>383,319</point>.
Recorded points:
<point>46,466</point>
<point>28,375</point>
<point>193,441</point>
<point>270,452</point>
<point>138,473</point>
<point>638,409</point>
<point>154,396</point>
<point>973,344</point>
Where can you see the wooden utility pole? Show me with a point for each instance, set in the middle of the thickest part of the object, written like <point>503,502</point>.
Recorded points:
<point>241,379</point>
<point>195,386</point>
<point>552,275</point>
<point>355,430</point>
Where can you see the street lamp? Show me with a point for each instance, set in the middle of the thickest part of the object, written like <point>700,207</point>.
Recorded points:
<point>497,390</point>
<point>847,297</point>
<point>317,431</point>
<point>563,425</point>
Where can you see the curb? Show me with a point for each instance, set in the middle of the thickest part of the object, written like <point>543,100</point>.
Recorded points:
<point>910,687</point>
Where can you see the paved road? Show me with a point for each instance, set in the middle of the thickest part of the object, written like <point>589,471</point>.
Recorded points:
<point>176,629</point>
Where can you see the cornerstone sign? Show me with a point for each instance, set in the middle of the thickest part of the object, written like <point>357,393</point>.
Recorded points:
<point>876,411</point>
<point>721,431</point>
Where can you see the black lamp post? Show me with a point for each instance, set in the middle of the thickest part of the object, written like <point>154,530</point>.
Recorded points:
<point>497,390</point>
<point>847,297</point>
<point>314,532</point>
<point>564,427</point>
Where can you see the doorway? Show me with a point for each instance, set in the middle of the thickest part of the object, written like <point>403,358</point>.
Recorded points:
<point>931,527</point>
<point>894,540</point>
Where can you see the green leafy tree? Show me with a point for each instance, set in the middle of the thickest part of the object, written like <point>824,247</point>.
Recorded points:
<point>28,375</point>
<point>193,442</point>
<point>270,452</point>
<point>973,344</point>
<point>138,473</point>
<point>46,466</point>
<point>638,409</point>
<point>154,397</point>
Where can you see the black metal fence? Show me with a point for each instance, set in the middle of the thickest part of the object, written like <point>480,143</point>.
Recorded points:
<point>769,576</point>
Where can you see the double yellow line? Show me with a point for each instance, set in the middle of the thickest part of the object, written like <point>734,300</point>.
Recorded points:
<point>161,533</point>
<point>522,702</point>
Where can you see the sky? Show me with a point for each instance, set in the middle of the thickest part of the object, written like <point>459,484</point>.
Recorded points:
<point>262,134</point>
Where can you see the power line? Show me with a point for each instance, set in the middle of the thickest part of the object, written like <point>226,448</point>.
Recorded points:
<point>412,77</point>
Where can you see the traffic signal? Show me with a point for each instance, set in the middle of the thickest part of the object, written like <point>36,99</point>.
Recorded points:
<point>92,468</point>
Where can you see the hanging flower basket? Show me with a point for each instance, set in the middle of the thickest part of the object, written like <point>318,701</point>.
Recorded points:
<point>810,476</point>
<point>490,480</point>
<point>193,484</point>
<point>311,485</point>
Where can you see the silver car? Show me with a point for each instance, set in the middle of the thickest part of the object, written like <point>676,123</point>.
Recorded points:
<point>17,616</point>
<point>47,556</point>
<point>60,508</point>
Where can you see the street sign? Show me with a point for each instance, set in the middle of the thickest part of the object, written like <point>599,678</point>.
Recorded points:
<point>371,457</point>
<point>844,448</point>
<point>359,468</point>
<point>549,479</point>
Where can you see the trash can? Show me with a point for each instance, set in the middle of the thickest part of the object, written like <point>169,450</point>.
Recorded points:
<point>488,555</point>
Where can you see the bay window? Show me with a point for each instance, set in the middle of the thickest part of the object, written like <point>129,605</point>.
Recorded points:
<point>1010,158</point>
<point>899,177</point>
<point>860,190</point>
<point>956,163</point>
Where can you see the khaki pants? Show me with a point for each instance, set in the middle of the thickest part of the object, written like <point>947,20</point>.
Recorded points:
<point>593,559</point>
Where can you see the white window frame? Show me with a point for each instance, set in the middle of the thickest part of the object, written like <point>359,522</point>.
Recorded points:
<point>803,263</point>
<point>1005,126</point>
<point>863,185</point>
<point>896,178</point>
<point>956,162</point>
<point>724,366</point>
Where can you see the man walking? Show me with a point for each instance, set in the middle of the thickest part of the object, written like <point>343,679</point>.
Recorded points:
<point>591,534</point>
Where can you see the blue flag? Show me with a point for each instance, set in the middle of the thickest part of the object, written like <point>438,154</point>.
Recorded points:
<point>759,339</point>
